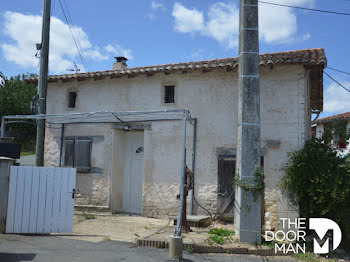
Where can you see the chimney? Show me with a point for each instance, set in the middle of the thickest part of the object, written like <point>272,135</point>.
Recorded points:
<point>120,63</point>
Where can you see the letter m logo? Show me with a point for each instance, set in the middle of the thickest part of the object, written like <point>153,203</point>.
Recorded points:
<point>321,227</point>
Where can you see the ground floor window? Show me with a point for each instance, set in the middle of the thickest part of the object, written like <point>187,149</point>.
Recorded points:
<point>77,153</point>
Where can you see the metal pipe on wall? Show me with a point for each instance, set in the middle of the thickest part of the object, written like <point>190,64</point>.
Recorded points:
<point>61,145</point>
<point>3,126</point>
<point>193,162</point>
<point>183,165</point>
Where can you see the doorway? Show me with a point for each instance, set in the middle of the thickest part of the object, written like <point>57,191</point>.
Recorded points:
<point>133,172</point>
<point>226,193</point>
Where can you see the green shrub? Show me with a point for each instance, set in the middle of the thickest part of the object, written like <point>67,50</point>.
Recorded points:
<point>318,180</point>
<point>221,232</point>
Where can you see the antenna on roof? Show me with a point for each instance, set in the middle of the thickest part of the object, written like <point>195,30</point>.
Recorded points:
<point>76,68</point>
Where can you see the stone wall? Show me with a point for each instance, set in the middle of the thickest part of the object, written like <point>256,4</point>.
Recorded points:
<point>159,200</point>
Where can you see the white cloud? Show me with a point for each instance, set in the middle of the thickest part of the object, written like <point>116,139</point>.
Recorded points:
<point>24,31</point>
<point>277,24</point>
<point>155,6</point>
<point>117,50</point>
<point>223,23</point>
<point>151,16</point>
<point>95,54</point>
<point>187,20</point>
<point>336,98</point>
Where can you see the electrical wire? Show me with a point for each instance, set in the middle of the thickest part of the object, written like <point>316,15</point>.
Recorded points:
<point>305,8</point>
<point>75,41</point>
<point>71,22</point>
<point>338,70</point>
<point>206,210</point>
<point>53,7</point>
<point>337,82</point>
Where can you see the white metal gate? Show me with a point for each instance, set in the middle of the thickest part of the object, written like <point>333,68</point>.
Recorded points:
<point>41,200</point>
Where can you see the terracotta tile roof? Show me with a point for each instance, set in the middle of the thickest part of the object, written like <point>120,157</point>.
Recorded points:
<point>342,116</point>
<point>311,57</point>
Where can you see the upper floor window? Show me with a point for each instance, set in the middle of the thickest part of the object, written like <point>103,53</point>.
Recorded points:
<point>169,94</point>
<point>72,99</point>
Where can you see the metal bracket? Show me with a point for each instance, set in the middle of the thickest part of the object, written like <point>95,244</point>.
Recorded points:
<point>73,193</point>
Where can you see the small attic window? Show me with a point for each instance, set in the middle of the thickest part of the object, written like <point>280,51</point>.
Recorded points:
<point>169,94</point>
<point>72,98</point>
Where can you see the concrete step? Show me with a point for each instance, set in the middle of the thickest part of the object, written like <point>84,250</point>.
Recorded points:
<point>194,221</point>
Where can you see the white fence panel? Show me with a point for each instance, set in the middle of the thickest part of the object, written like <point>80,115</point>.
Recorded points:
<point>40,200</point>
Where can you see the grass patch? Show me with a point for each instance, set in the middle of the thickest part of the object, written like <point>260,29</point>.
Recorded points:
<point>28,153</point>
<point>88,216</point>
<point>146,227</point>
<point>189,249</point>
<point>269,244</point>
<point>220,236</point>
<point>106,239</point>
<point>27,147</point>
<point>311,257</point>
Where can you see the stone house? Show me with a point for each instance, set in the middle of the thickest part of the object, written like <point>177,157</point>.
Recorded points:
<point>320,125</point>
<point>136,169</point>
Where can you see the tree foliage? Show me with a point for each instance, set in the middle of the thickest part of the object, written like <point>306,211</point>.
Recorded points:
<point>16,97</point>
<point>317,178</point>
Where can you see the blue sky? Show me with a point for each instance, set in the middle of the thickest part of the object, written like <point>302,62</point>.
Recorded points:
<point>159,31</point>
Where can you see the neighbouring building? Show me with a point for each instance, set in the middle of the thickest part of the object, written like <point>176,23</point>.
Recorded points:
<point>291,89</point>
<point>334,124</point>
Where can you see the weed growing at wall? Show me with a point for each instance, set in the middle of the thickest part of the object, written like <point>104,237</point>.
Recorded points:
<point>254,185</point>
<point>220,236</point>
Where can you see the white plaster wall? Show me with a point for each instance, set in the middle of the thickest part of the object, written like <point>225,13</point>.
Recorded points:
<point>212,98</point>
<point>347,151</point>
<point>319,130</point>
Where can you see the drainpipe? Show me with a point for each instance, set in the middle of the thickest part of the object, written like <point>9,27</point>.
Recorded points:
<point>61,145</point>
<point>193,161</point>
<point>3,126</point>
<point>182,197</point>
<point>318,112</point>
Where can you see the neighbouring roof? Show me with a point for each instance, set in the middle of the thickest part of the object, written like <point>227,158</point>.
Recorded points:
<point>314,59</point>
<point>342,116</point>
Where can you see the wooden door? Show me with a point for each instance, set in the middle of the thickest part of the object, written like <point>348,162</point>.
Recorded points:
<point>226,194</point>
<point>133,173</point>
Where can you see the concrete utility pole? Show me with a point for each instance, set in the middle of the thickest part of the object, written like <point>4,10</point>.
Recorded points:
<point>247,217</point>
<point>44,68</point>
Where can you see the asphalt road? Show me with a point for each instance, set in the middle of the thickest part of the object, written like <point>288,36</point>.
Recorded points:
<point>14,248</point>
<point>27,160</point>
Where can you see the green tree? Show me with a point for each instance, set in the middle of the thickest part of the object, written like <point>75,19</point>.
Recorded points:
<point>16,97</point>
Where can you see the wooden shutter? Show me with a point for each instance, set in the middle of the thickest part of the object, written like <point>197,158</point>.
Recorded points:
<point>82,155</point>
<point>69,153</point>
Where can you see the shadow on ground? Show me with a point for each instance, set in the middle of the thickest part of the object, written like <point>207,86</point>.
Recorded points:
<point>10,257</point>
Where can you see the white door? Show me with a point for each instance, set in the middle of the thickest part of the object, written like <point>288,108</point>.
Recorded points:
<point>41,200</point>
<point>133,173</point>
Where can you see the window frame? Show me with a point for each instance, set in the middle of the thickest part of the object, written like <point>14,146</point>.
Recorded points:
<point>72,95</point>
<point>164,94</point>
<point>73,161</point>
